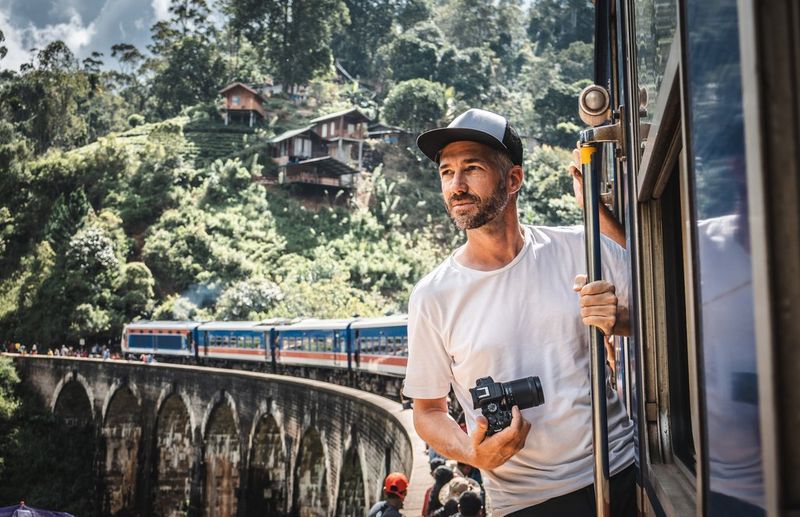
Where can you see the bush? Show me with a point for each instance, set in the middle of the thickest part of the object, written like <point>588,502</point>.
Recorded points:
<point>135,120</point>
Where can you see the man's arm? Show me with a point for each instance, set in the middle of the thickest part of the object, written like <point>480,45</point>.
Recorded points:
<point>609,225</point>
<point>435,426</point>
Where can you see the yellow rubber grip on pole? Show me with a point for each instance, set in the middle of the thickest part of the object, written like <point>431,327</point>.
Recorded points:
<point>586,154</point>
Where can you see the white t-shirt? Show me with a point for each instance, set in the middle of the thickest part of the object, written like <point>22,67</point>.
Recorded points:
<point>522,319</point>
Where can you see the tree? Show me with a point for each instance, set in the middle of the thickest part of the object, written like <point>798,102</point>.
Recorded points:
<point>469,71</point>
<point>547,197</point>
<point>44,99</point>
<point>291,32</point>
<point>557,23</point>
<point>3,48</point>
<point>413,54</point>
<point>187,68</point>
<point>412,12</point>
<point>248,300</point>
<point>136,291</point>
<point>368,25</point>
<point>415,105</point>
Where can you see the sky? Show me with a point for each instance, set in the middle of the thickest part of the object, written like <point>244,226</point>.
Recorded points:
<point>84,25</point>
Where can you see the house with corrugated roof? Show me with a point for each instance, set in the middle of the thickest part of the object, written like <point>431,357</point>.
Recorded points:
<point>326,153</point>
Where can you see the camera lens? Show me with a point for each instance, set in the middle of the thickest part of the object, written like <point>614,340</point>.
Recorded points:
<point>526,392</point>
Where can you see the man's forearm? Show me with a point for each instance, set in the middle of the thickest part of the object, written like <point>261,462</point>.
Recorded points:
<point>610,227</point>
<point>443,434</point>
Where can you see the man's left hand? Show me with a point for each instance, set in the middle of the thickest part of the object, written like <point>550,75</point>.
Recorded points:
<point>598,303</point>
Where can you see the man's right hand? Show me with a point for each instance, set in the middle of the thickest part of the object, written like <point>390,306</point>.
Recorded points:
<point>489,453</point>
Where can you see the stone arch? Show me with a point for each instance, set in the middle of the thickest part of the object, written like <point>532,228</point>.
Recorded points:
<point>73,403</point>
<point>122,434</point>
<point>173,457</point>
<point>172,390</point>
<point>70,382</point>
<point>351,499</point>
<point>267,473</point>
<point>311,477</point>
<point>221,458</point>
<point>112,391</point>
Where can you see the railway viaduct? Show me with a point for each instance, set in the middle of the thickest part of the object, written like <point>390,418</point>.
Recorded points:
<point>184,440</point>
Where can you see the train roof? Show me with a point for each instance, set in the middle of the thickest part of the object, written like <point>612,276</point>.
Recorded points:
<point>228,325</point>
<point>167,325</point>
<point>396,320</point>
<point>316,324</point>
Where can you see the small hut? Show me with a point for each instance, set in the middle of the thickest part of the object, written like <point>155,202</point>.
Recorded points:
<point>243,105</point>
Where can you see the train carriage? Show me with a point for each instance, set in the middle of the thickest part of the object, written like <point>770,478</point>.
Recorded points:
<point>164,338</point>
<point>314,342</point>
<point>381,345</point>
<point>236,340</point>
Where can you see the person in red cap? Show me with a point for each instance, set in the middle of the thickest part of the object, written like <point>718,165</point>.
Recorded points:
<point>394,488</point>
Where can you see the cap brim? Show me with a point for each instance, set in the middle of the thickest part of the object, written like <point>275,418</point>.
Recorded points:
<point>433,141</point>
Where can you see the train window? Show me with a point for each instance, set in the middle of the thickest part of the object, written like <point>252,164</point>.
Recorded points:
<point>724,267</point>
<point>656,22</point>
<point>329,343</point>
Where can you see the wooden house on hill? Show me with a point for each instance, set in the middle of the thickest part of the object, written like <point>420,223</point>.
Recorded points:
<point>243,105</point>
<point>326,155</point>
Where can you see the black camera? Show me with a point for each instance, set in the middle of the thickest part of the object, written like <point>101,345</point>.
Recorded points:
<point>495,399</point>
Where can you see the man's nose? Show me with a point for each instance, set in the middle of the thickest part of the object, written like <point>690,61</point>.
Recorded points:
<point>459,184</point>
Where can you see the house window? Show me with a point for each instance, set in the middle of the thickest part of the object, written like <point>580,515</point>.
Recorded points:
<point>333,128</point>
<point>351,129</point>
<point>325,131</point>
<point>235,100</point>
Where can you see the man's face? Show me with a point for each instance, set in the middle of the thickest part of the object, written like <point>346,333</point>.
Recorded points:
<point>474,191</point>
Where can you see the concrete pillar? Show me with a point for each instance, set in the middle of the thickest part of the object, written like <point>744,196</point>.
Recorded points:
<point>360,153</point>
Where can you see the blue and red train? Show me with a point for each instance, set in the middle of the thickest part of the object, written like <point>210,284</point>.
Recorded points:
<point>369,345</point>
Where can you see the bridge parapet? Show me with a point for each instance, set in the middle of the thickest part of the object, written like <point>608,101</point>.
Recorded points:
<point>173,439</point>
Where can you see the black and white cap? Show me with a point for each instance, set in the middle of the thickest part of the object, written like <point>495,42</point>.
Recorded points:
<point>475,125</point>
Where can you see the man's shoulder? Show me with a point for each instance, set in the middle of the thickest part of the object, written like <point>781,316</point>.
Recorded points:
<point>574,231</point>
<point>435,281</point>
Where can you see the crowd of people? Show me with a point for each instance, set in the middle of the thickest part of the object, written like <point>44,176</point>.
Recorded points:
<point>457,491</point>
<point>95,351</point>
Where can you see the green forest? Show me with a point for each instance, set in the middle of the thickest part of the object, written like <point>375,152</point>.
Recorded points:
<point>124,196</point>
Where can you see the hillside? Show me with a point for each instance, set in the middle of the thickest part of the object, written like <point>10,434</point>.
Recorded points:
<point>124,196</point>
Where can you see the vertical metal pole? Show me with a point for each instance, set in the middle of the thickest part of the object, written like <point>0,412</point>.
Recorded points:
<point>590,167</point>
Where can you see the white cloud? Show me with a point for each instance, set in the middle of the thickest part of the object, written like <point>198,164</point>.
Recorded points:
<point>161,9</point>
<point>20,40</point>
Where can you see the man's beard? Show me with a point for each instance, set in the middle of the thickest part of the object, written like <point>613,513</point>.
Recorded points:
<point>485,211</point>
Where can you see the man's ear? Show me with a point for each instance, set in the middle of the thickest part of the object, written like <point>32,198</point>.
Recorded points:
<point>515,178</point>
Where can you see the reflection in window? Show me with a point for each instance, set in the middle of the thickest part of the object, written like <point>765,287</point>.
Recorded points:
<point>655,30</point>
<point>724,261</point>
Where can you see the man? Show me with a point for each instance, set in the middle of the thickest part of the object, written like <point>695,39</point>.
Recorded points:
<point>395,488</point>
<point>503,305</point>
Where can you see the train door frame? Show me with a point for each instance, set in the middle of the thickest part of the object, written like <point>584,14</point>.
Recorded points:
<point>769,36</point>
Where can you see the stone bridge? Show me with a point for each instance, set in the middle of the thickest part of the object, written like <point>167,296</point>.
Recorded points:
<point>185,440</point>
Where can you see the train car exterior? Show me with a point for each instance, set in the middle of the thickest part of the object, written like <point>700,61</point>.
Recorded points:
<point>381,345</point>
<point>160,338</point>
<point>233,340</point>
<point>698,142</point>
<point>315,342</point>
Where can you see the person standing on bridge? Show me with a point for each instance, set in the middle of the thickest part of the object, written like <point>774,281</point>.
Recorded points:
<point>395,488</point>
<point>503,305</point>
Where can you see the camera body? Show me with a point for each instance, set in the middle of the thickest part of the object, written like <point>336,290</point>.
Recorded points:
<point>495,399</point>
